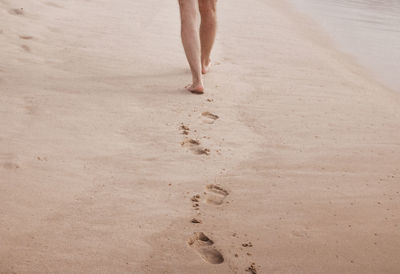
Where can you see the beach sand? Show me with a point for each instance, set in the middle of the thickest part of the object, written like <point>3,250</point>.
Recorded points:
<point>289,162</point>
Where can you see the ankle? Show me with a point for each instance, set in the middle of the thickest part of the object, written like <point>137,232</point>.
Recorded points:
<point>197,82</point>
<point>197,79</point>
<point>205,62</point>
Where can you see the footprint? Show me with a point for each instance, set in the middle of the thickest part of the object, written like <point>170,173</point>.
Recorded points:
<point>195,221</point>
<point>204,246</point>
<point>19,11</point>
<point>26,48</point>
<point>195,147</point>
<point>252,269</point>
<point>26,37</point>
<point>185,129</point>
<point>248,244</point>
<point>215,194</point>
<point>30,105</point>
<point>210,117</point>
<point>8,161</point>
<point>51,4</point>
<point>10,166</point>
<point>301,234</point>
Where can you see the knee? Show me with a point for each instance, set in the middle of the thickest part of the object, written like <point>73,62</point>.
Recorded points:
<point>181,3</point>
<point>207,8</point>
<point>188,11</point>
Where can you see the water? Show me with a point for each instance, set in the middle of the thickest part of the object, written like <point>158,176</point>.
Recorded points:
<point>367,29</point>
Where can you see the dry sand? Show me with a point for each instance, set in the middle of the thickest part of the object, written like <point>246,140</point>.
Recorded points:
<point>101,151</point>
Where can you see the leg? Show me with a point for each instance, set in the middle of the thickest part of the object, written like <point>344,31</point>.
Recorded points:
<point>208,30</point>
<point>191,42</point>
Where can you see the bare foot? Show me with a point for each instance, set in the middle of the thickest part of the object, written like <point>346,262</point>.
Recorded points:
<point>205,67</point>
<point>195,88</point>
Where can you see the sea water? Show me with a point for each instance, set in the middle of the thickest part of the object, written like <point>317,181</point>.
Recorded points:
<point>369,30</point>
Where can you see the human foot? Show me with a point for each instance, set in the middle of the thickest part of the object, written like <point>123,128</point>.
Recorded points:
<point>205,67</point>
<point>195,88</point>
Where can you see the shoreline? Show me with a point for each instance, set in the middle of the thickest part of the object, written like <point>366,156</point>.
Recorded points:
<point>288,162</point>
<point>332,28</point>
<point>323,38</point>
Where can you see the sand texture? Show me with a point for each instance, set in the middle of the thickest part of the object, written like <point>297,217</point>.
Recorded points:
<point>289,163</point>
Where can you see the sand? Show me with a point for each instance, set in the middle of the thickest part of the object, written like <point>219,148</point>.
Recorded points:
<point>289,163</point>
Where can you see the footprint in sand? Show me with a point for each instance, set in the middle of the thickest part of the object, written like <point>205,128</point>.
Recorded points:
<point>209,117</point>
<point>299,233</point>
<point>10,166</point>
<point>215,194</point>
<point>30,105</point>
<point>26,48</point>
<point>184,129</point>
<point>195,221</point>
<point>8,161</point>
<point>195,146</point>
<point>204,246</point>
<point>26,37</point>
<point>19,11</point>
<point>252,269</point>
<point>51,4</point>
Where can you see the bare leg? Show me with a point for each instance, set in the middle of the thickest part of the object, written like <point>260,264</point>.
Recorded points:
<point>191,43</point>
<point>208,30</point>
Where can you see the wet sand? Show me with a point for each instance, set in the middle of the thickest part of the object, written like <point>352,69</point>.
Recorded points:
<point>368,30</point>
<point>287,164</point>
